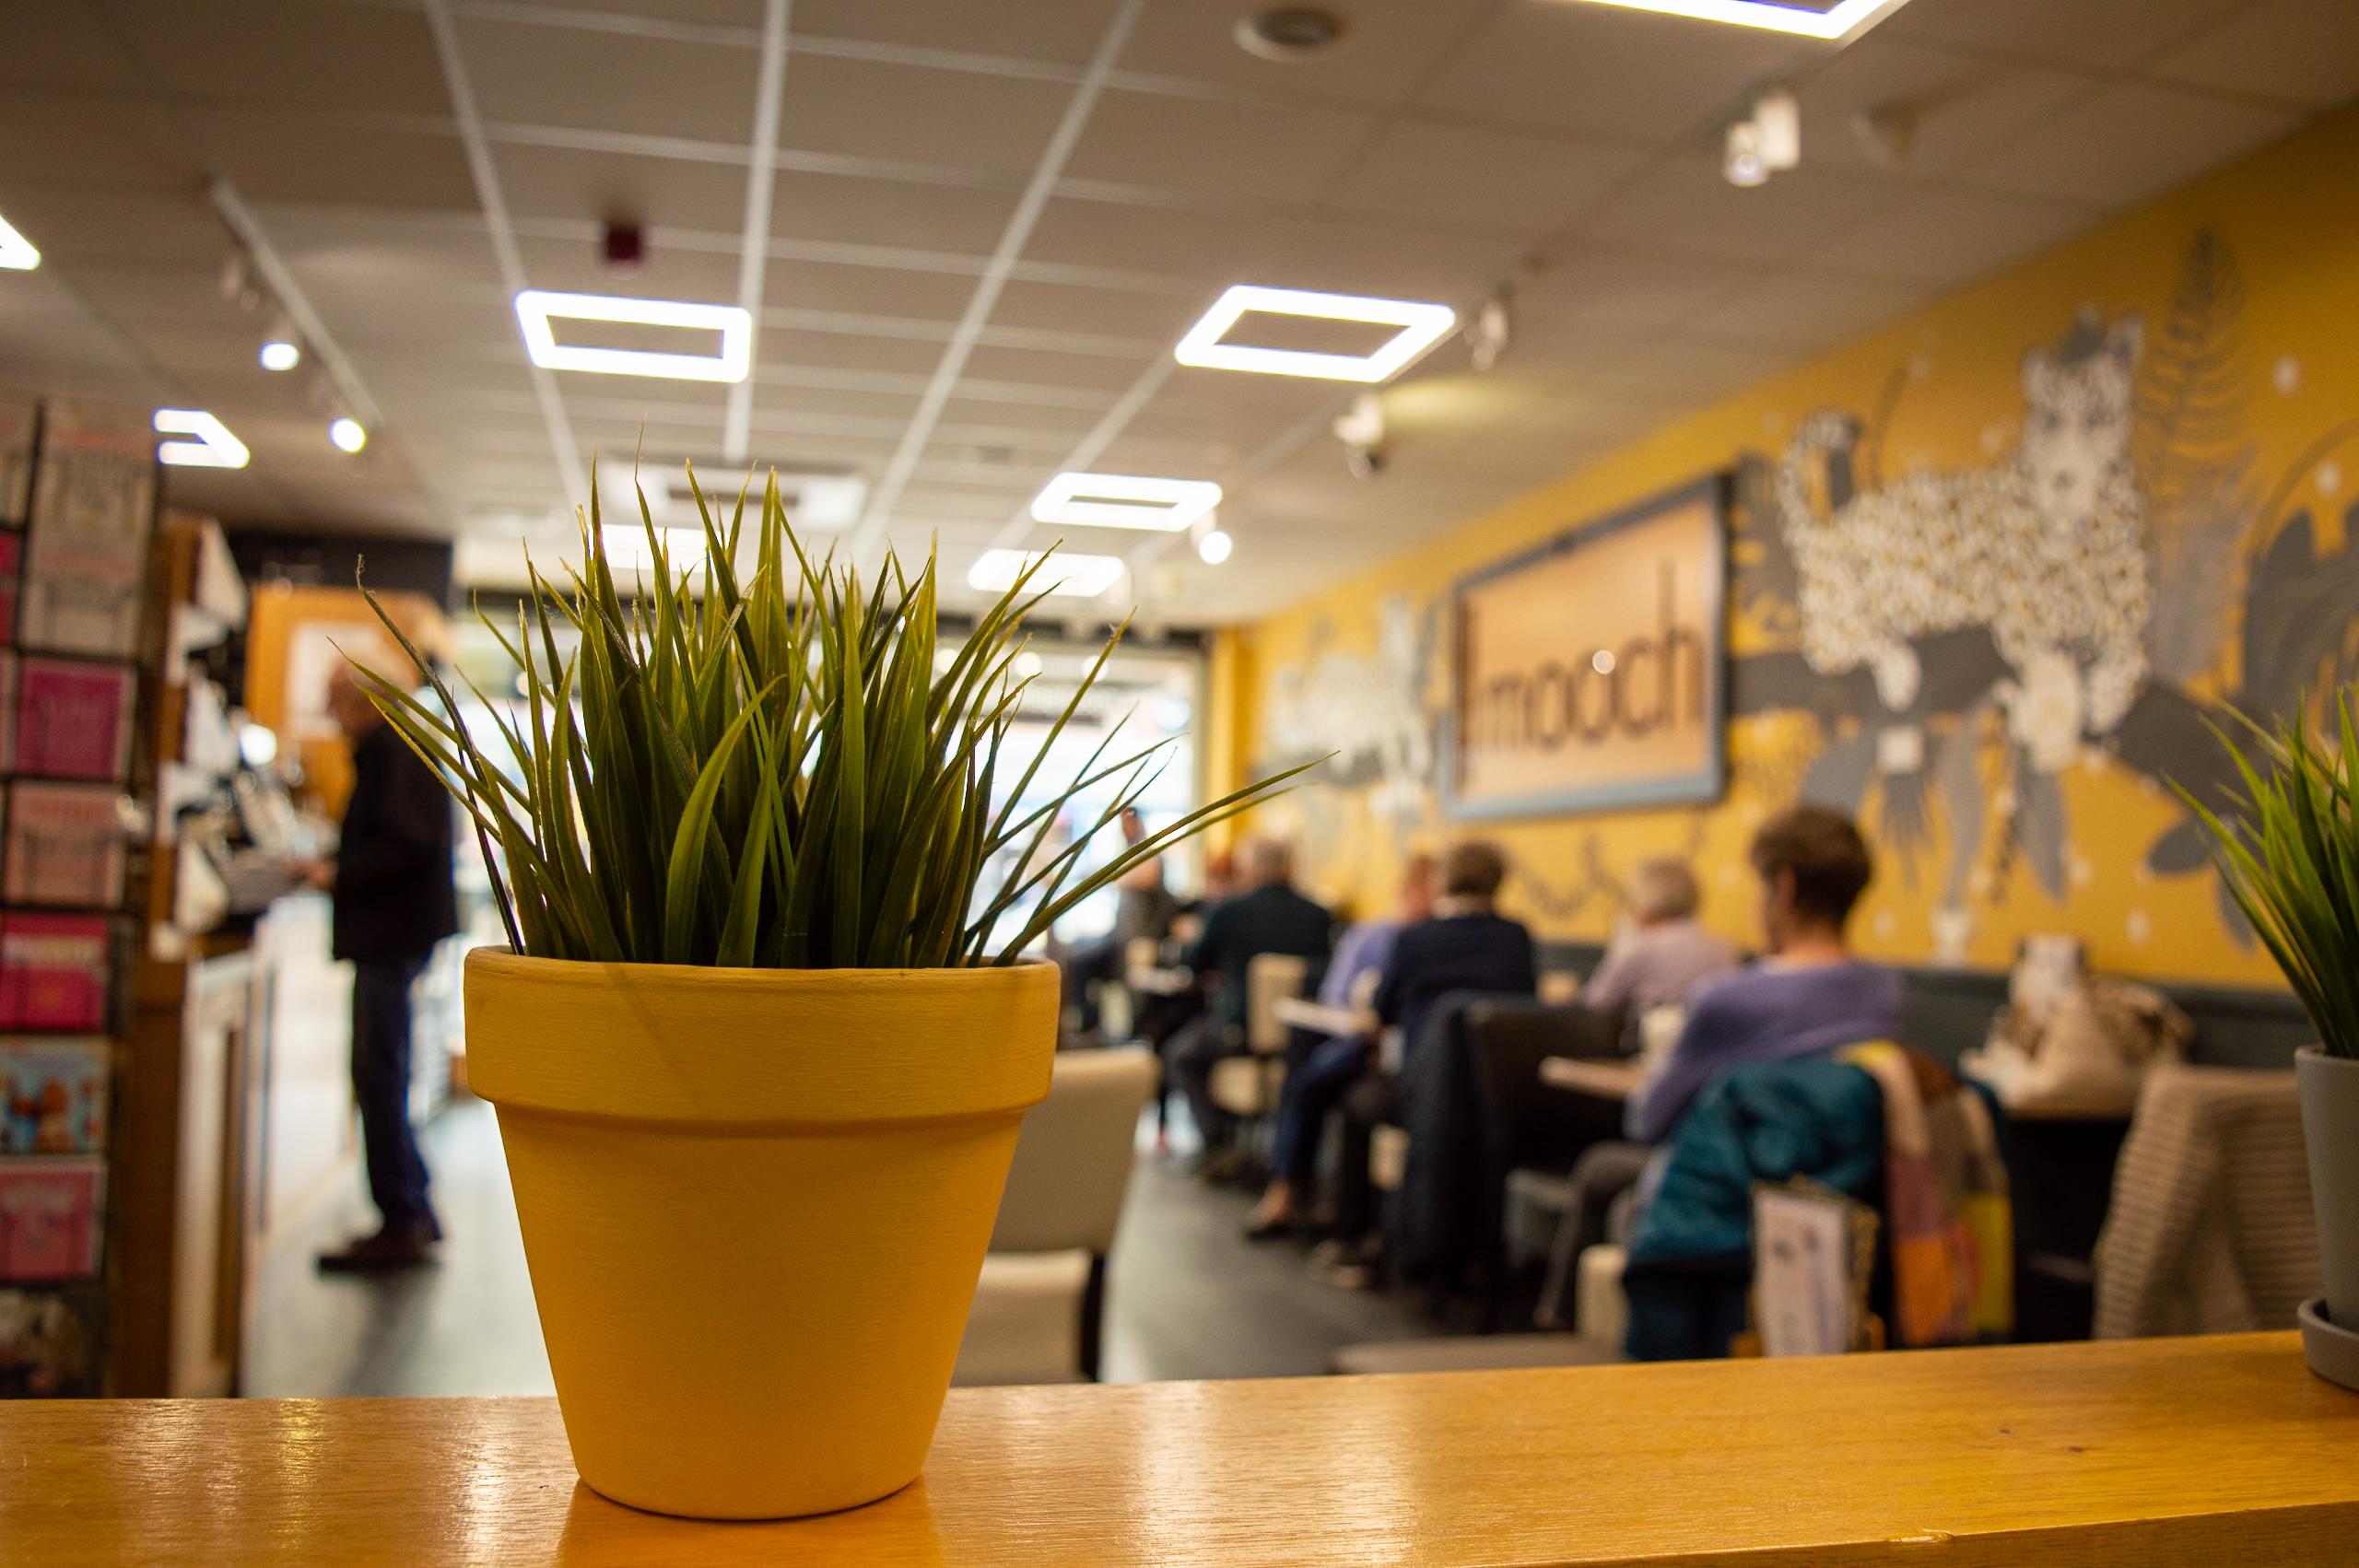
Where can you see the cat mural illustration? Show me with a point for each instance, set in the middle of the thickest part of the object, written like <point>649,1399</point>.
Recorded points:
<point>2043,548</point>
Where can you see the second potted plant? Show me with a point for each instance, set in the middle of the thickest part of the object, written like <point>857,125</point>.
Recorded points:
<point>765,1029</point>
<point>2289,853</point>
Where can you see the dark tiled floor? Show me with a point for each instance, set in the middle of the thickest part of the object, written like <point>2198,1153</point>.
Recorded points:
<point>1188,1296</point>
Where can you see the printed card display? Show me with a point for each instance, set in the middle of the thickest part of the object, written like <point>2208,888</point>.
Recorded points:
<point>93,507</point>
<point>72,718</point>
<point>50,1217</point>
<point>19,413</point>
<point>64,846</point>
<point>51,1344</point>
<point>54,1096</point>
<point>53,972</point>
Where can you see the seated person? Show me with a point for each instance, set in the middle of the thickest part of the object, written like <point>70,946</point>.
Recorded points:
<point>1466,946</point>
<point>1271,917</point>
<point>1656,959</point>
<point>1143,910</point>
<point>1809,995</point>
<point>1316,1083</point>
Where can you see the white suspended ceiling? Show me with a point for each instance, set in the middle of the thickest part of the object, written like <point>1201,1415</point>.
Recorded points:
<point>989,220</point>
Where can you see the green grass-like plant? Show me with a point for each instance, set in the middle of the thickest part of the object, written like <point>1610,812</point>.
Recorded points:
<point>2289,853</point>
<point>770,773</point>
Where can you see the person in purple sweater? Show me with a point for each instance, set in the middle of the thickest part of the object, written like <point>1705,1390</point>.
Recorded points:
<point>1809,997</point>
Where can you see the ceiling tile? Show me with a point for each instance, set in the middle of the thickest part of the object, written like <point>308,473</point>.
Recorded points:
<point>1047,368</point>
<point>1062,31</point>
<point>844,209</point>
<point>1207,147</point>
<point>668,272</point>
<point>1945,238</point>
<point>100,140</point>
<point>849,351</point>
<point>1629,76</point>
<point>1953,104</point>
<point>355,58</point>
<point>52,45</point>
<point>2302,51</point>
<point>1806,312</point>
<point>1387,47</point>
<point>1684,206</point>
<point>305,154</point>
<point>972,120</point>
<point>1627,291</point>
<point>592,187</point>
<point>1506,182</point>
<point>68,225</point>
<point>606,81</point>
<point>1341,255</point>
<point>1114,312</point>
<point>2110,33</point>
<point>2128,143</point>
<point>882,291</point>
<point>730,13</point>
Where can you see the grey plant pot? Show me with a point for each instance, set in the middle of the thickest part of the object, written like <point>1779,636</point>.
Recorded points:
<point>2329,1090</point>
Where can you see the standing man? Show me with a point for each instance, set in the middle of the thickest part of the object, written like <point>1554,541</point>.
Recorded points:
<point>394,900</point>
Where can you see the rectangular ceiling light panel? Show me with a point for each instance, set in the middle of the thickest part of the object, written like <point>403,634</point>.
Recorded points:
<point>214,445</point>
<point>1124,500</point>
<point>17,252</point>
<point>1421,326</point>
<point>1809,19</point>
<point>1077,577</point>
<point>537,310</point>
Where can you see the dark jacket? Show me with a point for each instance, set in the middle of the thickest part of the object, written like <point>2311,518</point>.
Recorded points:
<point>1481,953</point>
<point>394,894</point>
<point>1690,1259</point>
<point>1237,932</point>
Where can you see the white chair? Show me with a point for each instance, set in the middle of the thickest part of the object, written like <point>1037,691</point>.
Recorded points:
<point>1248,1085</point>
<point>1040,1303</point>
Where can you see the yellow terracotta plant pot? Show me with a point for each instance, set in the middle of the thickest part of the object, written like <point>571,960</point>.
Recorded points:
<point>754,1203</point>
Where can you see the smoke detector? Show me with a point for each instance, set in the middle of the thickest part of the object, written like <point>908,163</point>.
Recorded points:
<point>1288,33</point>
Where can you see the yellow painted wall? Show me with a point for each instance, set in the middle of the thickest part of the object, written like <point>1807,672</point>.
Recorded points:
<point>2290,228</point>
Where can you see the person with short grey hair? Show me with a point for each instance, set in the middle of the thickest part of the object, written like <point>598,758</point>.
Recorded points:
<point>1661,954</point>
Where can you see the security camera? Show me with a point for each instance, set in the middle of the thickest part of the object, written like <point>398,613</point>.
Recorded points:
<point>1361,429</point>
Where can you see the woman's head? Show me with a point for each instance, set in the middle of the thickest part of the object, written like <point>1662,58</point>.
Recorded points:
<point>1473,869</point>
<point>1662,889</point>
<point>1813,865</point>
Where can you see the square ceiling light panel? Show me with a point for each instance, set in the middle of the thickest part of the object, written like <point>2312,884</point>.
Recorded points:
<point>214,445</point>
<point>1809,19</point>
<point>1076,577</point>
<point>538,310</point>
<point>1124,500</point>
<point>17,252</point>
<point>1420,327</point>
<point>817,500</point>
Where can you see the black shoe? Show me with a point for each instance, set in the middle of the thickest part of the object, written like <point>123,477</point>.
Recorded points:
<point>1270,1229</point>
<point>385,1252</point>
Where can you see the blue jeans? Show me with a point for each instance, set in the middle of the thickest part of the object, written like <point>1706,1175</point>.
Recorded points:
<point>1314,1088</point>
<point>381,1087</point>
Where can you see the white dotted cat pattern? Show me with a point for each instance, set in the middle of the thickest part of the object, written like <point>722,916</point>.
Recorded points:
<point>2045,548</point>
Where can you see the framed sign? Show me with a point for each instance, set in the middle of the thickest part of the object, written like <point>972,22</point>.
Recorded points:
<point>1590,672</point>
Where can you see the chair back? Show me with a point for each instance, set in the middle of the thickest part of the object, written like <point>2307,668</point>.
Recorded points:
<point>1074,1157</point>
<point>1269,979</point>
<point>1525,1122</point>
<point>2209,1231</point>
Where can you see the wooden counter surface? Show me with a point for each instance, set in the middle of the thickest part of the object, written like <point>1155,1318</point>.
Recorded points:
<point>2197,1451</point>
